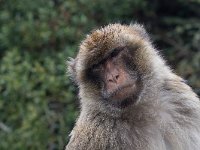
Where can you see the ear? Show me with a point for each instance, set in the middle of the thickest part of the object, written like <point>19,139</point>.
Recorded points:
<point>71,69</point>
<point>140,30</point>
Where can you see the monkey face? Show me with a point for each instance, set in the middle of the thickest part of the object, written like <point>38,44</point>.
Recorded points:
<point>118,79</point>
<point>112,63</point>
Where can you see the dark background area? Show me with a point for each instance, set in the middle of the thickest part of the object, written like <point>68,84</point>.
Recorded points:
<point>38,103</point>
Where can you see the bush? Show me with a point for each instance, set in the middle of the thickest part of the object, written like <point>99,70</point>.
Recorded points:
<point>36,101</point>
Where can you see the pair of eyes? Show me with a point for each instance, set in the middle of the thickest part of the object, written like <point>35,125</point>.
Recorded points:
<point>116,53</point>
<point>100,68</point>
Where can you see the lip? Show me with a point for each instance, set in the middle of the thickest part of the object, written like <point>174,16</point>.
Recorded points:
<point>121,92</point>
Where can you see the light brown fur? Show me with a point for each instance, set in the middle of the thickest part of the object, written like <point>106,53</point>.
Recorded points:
<point>166,115</point>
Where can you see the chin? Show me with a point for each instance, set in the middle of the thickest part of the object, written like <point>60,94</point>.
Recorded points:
<point>122,97</point>
<point>122,103</point>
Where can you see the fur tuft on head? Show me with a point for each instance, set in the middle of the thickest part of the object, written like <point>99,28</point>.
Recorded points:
<point>141,30</point>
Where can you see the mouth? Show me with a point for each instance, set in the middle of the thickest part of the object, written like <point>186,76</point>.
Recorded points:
<point>121,93</point>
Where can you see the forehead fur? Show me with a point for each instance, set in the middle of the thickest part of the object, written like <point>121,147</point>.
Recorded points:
<point>100,42</point>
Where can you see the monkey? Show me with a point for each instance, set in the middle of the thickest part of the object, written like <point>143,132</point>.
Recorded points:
<point>130,99</point>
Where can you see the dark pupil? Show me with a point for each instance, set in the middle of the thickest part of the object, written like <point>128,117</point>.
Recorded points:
<point>93,74</point>
<point>115,52</point>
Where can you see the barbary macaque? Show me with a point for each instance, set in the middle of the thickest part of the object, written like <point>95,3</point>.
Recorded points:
<point>130,99</point>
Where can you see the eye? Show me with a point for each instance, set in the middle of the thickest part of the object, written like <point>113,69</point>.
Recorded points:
<point>94,74</point>
<point>96,69</point>
<point>129,64</point>
<point>116,52</point>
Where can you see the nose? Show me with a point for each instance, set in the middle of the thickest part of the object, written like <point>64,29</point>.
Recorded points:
<point>112,73</point>
<point>113,77</point>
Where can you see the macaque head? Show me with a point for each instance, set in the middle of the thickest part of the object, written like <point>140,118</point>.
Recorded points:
<point>116,77</point>
<point>110,64</point>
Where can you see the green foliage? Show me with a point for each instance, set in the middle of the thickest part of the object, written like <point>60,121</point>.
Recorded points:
<point>38,103</point>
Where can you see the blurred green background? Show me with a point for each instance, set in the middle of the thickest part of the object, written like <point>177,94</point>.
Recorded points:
<point>38,103</point>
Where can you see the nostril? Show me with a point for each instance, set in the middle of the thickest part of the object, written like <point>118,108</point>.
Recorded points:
<point>113,78</point>
<point>110,80</point>
<point>117,76</point>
